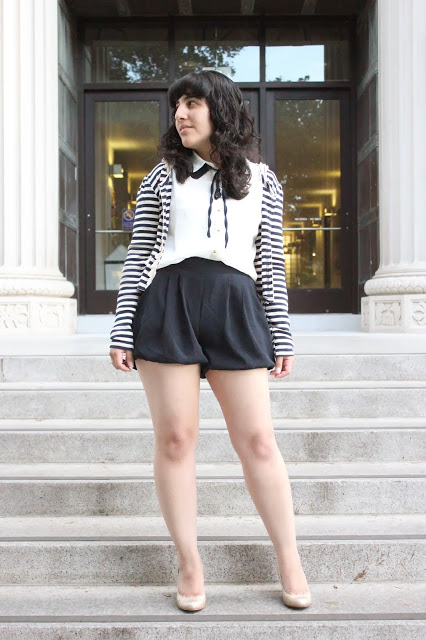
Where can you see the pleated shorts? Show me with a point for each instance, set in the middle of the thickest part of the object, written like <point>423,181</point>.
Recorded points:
<point>202,311</point>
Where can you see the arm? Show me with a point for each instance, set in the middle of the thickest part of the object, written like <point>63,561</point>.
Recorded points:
<point>143,240</point>
<point>277,311</point>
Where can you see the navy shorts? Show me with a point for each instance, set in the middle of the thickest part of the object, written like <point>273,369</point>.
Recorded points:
<point>202,311</point>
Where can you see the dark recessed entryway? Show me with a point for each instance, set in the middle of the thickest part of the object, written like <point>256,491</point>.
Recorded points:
<point>297,75</point>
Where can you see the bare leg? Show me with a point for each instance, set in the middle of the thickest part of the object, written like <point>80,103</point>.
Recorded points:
<point>173,393</point>
<point>245,402</point>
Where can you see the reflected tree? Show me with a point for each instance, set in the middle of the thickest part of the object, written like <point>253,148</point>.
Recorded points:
<point>150,61</point>
<point>137,64</point>
<point>196,57</point>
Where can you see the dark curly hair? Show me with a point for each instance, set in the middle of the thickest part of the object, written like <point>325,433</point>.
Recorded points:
<point>233,139</point>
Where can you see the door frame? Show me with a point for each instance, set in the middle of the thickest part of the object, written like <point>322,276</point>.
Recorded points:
<point>96,301</point>
<point>92,300</point>
<point>342,300</point>
<point>322,300</point>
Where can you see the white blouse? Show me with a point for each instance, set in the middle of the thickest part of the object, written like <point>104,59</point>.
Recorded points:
<point>187,232</point>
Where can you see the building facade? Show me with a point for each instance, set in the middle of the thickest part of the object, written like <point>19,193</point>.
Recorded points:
<point>337,91</point>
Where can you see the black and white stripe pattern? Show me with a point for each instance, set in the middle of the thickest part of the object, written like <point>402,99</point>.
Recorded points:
<point>148,238</point>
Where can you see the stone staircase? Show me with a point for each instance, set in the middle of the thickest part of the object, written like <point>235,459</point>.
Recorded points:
<point>85,552</point>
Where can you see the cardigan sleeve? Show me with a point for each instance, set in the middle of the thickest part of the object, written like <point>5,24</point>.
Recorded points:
<point>277,311</point>
<point>144,235</point>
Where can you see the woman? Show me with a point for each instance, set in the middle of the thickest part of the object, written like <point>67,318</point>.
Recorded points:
<point>203,294</point>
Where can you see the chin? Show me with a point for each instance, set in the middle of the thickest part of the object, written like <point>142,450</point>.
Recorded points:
<point>187,145</point>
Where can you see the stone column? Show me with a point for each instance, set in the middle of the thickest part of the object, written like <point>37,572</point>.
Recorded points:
<point>34,295</point>
<point>396,295</point>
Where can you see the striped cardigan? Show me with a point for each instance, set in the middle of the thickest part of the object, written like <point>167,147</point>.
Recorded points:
<point>147,244</point>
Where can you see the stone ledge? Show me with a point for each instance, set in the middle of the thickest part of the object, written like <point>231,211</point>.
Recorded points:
<point>309,343</point>
<point>37,316</point>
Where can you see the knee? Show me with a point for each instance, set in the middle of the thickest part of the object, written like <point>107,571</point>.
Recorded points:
<point>260,446</point>
<point>176,443</point>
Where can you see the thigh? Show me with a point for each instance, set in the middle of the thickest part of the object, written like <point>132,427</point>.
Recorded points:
<point>173,394</point>
<point>245,402</point>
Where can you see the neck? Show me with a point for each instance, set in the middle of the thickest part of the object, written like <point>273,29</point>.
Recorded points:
<point>207,157</point>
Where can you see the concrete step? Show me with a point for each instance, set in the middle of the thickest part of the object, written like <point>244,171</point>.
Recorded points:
<point>326,341</point>
<point>129,489</point>
<point>244,611</point>
<point>231,470</point>
<point>97,368</point>
<point>235,561</point>
<point>341,626</point>
<point>131,424</point>
<point>316,527</point>
<point>132,441</point>
<point>361,399</point>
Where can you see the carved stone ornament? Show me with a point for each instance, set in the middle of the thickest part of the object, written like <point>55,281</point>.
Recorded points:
<point>14,316</point>
<point>38,316</point>
<point>388,314</point>
<point>16,286</point>
<point>394,314</point>
<point>419,313</point>
<point>51,315</point>
<point>395,285</point>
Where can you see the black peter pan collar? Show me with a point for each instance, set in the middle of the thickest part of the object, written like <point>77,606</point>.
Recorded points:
<point>215,191</point>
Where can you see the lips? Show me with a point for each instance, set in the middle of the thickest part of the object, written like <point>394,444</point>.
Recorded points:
<point>184,128</point>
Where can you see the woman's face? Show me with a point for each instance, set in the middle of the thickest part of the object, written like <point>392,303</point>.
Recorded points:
<point>192,120</point>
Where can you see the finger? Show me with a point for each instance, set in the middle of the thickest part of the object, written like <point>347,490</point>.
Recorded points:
<point>286,365</point>
<point>129,358</point>
<point>123,363</point>
<point>119,360</point>
<point>282,374</point>
<point>282,367</point>
<point>279,364</point>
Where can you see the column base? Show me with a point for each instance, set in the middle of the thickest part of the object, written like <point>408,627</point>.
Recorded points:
<point>394,313</point>
<point>37,315</point>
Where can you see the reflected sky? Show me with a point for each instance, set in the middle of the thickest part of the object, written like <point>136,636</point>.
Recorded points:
<point>283,64</point>
<point>289,64</point>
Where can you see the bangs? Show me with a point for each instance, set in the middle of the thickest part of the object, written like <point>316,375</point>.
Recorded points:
<point>193,85</point>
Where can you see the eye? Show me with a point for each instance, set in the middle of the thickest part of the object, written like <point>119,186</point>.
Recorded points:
<point>189,100</point>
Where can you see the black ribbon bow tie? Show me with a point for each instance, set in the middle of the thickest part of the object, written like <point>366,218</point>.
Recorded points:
<point>216,179</point>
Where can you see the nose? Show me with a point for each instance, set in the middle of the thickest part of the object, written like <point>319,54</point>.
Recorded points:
<point>181,112</point>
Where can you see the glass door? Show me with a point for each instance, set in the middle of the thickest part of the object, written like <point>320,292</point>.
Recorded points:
<point>309,142</point>
<point>122,131</point>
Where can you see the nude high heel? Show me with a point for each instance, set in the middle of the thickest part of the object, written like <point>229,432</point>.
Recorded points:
<point>298,600</point>
<point>190,603</point>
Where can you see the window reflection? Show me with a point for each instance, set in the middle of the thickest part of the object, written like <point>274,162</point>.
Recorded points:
<point>233,50</point>
<point>126,138</point>
<point>307,53</point>
<point>308,166</point>
<point>295,64</point>
<point>295,52</point>
<point>126,55</point>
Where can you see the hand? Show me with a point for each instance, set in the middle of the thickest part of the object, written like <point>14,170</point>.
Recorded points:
<point>117,359</point>
<point>284,365</point>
